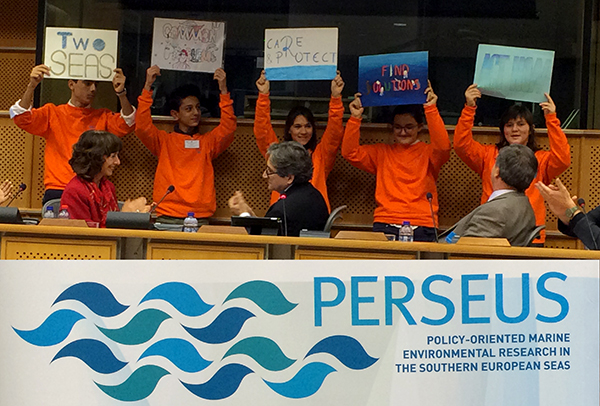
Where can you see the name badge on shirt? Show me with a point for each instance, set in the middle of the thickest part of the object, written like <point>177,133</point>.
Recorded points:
<point>192,144</point>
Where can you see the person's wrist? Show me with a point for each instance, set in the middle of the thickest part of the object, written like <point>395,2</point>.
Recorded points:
<point>122,92</point>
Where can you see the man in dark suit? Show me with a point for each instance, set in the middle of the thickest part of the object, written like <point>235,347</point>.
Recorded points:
<point>507,213</point>
<point>300,206</point>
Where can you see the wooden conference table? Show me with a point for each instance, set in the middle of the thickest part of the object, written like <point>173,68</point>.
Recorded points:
<point>57,242</point>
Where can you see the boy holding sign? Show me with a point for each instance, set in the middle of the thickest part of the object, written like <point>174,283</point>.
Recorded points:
<point>406,170</point>
<point>185,156</point>
<point>62,125</point>
<point>516,127</point>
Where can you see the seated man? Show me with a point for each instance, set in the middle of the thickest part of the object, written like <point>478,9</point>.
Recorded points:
<point>62,125</point>
<point>185,157</point>
<point>571,218</point>
<point>288,172</point>
<point>507,213</point>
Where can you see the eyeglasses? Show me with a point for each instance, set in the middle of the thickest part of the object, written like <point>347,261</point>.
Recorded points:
<point>269,171</point>
<point>407,129</point>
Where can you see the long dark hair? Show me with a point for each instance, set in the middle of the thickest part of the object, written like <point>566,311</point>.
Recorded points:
<point>513,113</point>
<point>90,150</point>
<point>289,122</point>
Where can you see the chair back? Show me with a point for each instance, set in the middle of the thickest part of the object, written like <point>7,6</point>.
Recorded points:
<point>335,214</point>
<point>55,203</point>
<point>534,234</point>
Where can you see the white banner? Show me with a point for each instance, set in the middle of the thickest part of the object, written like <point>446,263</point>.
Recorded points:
<point>81,53</point>
<point>456,333</point>
<point>186,45</point>
<point>301,53</point>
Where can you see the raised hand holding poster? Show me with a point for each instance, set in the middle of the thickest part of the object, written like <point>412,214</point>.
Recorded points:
<point>79,53</point>
<point>185,45</point>
<point>514,73</point>
<point>393,79</point>
<point>301,53</point>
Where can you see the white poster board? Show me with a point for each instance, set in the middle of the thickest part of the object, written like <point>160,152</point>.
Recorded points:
<point>514,73</point>
<point>485,333</point>
<point>187,45</point>
<point>301,53</point>
<point>80,53</point>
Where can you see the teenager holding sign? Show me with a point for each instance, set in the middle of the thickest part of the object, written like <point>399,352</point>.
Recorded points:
<point>300,127</point>
<point>406,170</point>
<point>516,127</point>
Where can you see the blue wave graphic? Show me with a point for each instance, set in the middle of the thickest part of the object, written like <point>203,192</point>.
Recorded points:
<point>180,352</point>
<point>346,349</point>
<point>140,329</point>
<point>138,386</point>
<point>181,296</point>
<point>305,383</point>
<point>94,353</point>
<point>222,385</point>
<point>224,328</point>
<point>98,298</point>
<point>53,330</point>
<point>264,351</point>
<point>266,295</point>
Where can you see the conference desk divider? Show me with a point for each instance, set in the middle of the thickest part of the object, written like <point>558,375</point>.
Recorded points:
<point>49,242</point>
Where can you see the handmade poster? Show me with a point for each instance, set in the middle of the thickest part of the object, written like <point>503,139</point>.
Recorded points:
<point>307,333</point>
<point>186,45</point>
<point>393,79</point>
<point>514,73</point>
<point>301,53</point>
<point>80,53</point>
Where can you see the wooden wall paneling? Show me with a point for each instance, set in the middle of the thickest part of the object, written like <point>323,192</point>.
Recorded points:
<point>37,165</point>
<point>16,150</point>
<point>135,176</point>
<point>589,170</point>
<point>18,23</point>
<point>14,71</point>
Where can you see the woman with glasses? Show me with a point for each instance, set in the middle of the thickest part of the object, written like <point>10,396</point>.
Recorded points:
<point>516,127</point>
<point>406,170</point>
<point>300,127</point>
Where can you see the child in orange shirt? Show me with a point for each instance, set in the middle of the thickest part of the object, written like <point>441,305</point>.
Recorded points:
<point>406,170</point>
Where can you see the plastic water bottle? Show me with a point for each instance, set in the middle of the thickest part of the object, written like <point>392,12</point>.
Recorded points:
<point>406,232</point>
<point>190,223</point>
<point>64,212</point>
<point>49,213</point>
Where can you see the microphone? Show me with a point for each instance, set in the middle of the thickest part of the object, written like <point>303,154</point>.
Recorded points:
<point>430,199</point>
<point>581,204</point>
<point>282,198</point>
<point>170,189</point>
<point>22,187</point>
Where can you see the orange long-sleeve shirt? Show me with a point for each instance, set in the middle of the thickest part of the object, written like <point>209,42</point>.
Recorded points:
<point>323,157</point>
<point>405,173</point>
<point>190,170</point>
<point>61,126</point>
<point>482,158</point>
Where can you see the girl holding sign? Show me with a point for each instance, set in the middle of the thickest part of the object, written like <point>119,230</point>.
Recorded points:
<point>516,127</point>
<point>406,170</point>
<point>300,127</point>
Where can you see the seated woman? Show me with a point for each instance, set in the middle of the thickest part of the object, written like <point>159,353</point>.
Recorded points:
<point>89,195</point>
<point>300,127</point>
<point>516,127</point>
<point>406,170</point>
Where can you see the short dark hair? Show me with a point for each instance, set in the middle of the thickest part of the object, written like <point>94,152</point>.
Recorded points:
<point>415,110</point>
<point>291,158</point>
<point>513,113</point>
<point>181,93</point>
<point>518,166</point>
<point>89,152</point>
<point>289,122</point>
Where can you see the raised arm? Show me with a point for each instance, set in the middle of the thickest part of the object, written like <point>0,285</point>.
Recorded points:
<point>36,76</point>
<point>362,157</point>
<point>332,137</point>
<point>119,86</point>
<point>468,150</point>
<point>222,135</point>
<point>559,158</point>
<point>263,130</point>
<point>438,135</point>
<point>38,123</point>
<point>145,129</point>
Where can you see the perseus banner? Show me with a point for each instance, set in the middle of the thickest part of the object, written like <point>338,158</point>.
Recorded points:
<point>393,79</point>
<point>490,333</point>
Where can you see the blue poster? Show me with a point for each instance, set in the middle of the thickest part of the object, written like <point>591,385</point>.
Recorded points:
<point>393,79</point>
